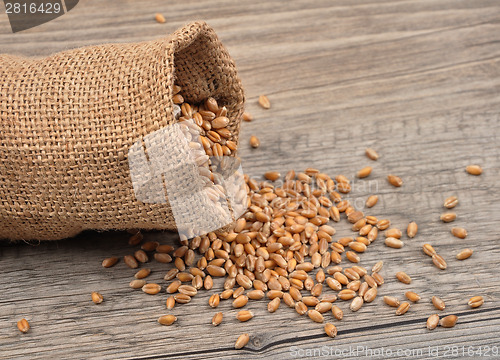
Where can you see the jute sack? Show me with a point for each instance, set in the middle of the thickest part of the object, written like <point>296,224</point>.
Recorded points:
<point>69,120</point>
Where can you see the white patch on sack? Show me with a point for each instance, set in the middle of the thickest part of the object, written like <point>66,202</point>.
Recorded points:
<point>168,164</point>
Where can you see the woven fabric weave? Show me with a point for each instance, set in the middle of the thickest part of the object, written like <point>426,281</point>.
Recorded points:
<point>68,121</point>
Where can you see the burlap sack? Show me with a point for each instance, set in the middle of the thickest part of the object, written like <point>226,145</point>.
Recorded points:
<point>68,121</point>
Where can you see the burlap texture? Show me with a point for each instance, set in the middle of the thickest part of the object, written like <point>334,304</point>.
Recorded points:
<point>68,121</point>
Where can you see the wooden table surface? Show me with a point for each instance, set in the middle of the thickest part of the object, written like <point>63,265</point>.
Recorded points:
<point>417,81</point>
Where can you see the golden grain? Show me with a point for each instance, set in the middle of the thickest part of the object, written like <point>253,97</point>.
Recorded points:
<point>341,278</point>
<point>403,308</point>
<point>355,216</point>
<point>164,258</point>
<point>448,217</point>
<point>214,300</point>
<point>137,284</point>
<point>300,308</point>
<point>240,301</point>
<point>264,102</point>
<point>346,294</point>
<point>217,319</point>
<point>185,277</point>
<point>464,254</point>
<point>363,288</point>
<point>412,229</point>
<point>273,305</point>
<point>323,307</point>
<point>337,312</point>
<point>172,273</point>
<point>295,293</point>
<point>109,262</point>
<point>378,266</point>
<point>428,250</point>
<point>450,202</point>
<point>315,316</point>
<point>310,300</point>
<point>412,296</point>
<point>254,141</point>
<point>363,229</point>
<point>334,214</point>
<point>459,232</point>
<point>273,294</point>
<point>432,321</point>
<point>378,278</point>
<point>364,172</point>
<point>391,301</point>
<point>438,303</point>
<point>403,277</point>
<point>177,99</point>
<point>96,297</point>
<point>333,284</point>
<point>394,180</point>
<point>197,282</point>
<point>182,298</point>
<point>383,224</point>
<point>216,270</point>
<point>288,300</point>
<point>174,285</point>
<point>372,235</point>
<point>244,315</point>
<point>476,301</point>
<point>393,232</point>
<point>474,169</point>
<point>247,116</point>
<point>358,246</point>
<point>371,201</point>
<point>167,319</point>
<point>448,321</point>
<point>23,325</point>
<point>371,154</point>
<point>239,291</point>
<point>352,256</point>
<point>330,330</point>
<point>151,289</point>
<point>188,290</point>
<point>439,262</point>
<point>242,341</point>
<point>354,285</point>
<point>130,261</point>
<point>370,295</point>
<point>150,245</point>
<point>370,281</point>
<point>160,18</point>
<point>272,175</point>
<point>352,274</point>
<point>343,187</point>
<point>256,294</point>
<point>135,239</point>
<point>344,241</point>
<point>316,290</point>
<point>141,256</point>
<point>164,248</point>
<point>170,303</point>
<point>394,243</point>
<point>141,274</point>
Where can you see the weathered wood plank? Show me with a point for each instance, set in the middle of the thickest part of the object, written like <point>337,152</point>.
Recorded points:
<point>417,81</point>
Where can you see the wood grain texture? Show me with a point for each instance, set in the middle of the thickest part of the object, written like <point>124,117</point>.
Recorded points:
<point>417,81</point>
